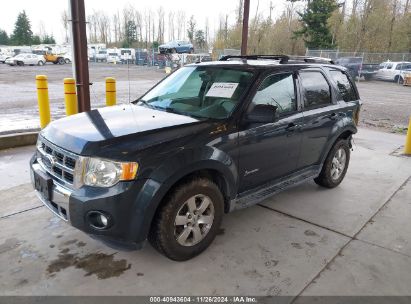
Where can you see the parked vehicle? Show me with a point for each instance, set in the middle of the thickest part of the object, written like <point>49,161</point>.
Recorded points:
<point>391,70</point>
<point>127,55</point>
<point>209,139</point>
<point>50,57</point>
<point>4,57</point>
<point>67,58</point>
<point>101,56</point>
<point>26,59</point>
<point>176,47</point>
<point>113,58</point>
<point>357,68</point>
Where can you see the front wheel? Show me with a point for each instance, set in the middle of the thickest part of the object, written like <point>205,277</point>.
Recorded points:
<point>40,63</point>
<point>335,165</point>
<point>188,221</point>
<point>67,60</point>
<point>61,61</point>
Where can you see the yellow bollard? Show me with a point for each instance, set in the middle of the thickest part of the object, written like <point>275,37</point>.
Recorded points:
<point>110,91</point>
<point>70,97</point>
<point>407,150</point>
<point>43,100</point>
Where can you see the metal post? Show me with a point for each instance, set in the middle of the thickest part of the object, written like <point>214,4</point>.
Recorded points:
<point>244,38</point>
<point>79,52</point>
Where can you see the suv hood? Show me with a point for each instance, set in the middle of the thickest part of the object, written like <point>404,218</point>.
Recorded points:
<point>88,133</point>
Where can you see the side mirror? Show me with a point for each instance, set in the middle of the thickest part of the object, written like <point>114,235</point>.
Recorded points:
<point>262,113</point>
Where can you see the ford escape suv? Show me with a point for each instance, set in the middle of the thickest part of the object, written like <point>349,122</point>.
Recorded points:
<point>209,139</point>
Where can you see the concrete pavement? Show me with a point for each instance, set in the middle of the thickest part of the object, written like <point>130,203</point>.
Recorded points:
<point>352,240</point>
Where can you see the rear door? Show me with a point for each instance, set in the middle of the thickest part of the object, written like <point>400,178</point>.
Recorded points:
<point>321,113</point>
<point>270,151</point>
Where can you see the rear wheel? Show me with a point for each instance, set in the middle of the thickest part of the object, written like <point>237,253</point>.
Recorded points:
<point>61,61</point>
<point>188,221</point>
<point>335,166</point>
<point>40,63</point>
<point>67,60</point>
<point>20,63</point>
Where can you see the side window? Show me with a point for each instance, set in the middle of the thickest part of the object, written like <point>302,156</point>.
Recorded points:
<point>278,90</point>
<point>388,66</point>
<point>316,89</point>
<point>399,66</point>
<point>344,85</point>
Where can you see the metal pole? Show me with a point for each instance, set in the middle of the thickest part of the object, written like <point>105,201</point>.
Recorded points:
<point>79,52</point>
<point>244,38</point>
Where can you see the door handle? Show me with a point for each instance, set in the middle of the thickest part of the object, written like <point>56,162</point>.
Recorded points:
<point>291,127</point>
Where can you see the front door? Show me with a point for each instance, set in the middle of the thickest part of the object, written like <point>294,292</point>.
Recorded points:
<point>269,151</point>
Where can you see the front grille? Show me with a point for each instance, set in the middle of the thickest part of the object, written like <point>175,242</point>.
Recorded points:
<point>60,164</point>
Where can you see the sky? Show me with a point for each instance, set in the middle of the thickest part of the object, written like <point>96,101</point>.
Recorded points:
<point>49,15</point>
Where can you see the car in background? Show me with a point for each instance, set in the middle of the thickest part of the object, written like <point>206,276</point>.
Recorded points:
<point>392,70</point>
<point>67,57</point>
<point>4,57</point>
<point>101,56</point>
<point>113,58</point>
<point>26,59</point>
<point>357,68</point>
<point>178,46</point>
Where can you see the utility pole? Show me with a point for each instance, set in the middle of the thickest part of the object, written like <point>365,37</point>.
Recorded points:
<point>244,38</point>
<point>79,51</point>
<point>271,9</point>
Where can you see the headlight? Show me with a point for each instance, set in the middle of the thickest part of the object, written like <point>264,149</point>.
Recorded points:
<point>105,173</point>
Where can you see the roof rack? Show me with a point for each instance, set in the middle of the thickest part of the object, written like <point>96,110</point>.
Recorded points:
<point>282,58</point>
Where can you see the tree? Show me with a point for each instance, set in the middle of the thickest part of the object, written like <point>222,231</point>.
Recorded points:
<point>4,38</point>
<point>200,39</point>
<point>191,29</point>
<point>130,34</point>
<point>22,34</point>
<point>48,39</point>
<point>314,20</point>
<point>36,39</point>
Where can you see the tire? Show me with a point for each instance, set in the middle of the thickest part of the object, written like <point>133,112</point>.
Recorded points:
<point>67,60</point>
<point>178,241</point>
<point>401,80</point>
<point>333,171</point>
<point>20,63</point>
<point>173,51</point>
<point>40,63</point>
<point>61,61</point>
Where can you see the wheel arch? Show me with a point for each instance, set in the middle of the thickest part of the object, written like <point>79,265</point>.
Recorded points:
<point>345,133</point>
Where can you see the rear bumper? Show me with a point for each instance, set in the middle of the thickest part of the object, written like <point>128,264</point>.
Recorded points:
<point>127,205</point>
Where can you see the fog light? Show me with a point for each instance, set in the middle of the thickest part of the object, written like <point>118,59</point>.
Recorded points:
<point>98,220</point>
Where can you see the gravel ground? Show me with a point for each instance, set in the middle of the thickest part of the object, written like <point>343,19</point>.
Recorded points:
<point>387,106</point>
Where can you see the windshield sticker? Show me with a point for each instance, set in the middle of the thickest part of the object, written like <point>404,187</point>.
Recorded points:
<point>222,89</point>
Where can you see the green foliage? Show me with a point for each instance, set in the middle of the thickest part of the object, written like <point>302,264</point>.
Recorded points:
<point>191,29</point>
<point>155,44</point>
<point>314,20</point>
<point>200,39</point>
<point>4,38</point>
<point>36,39</point>
<point>22,34</point>
<point>48,39</point>
<point>130,33</point>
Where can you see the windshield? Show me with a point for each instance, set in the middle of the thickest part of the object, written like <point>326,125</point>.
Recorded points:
<point>202,91</point>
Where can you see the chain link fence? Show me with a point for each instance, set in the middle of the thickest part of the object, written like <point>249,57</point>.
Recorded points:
<point>375,58</point>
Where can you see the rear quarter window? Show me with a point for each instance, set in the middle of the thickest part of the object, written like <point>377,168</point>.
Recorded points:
<point>316,90</point>
<point>344,85</point>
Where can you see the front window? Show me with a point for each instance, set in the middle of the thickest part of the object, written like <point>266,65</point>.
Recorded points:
<point>202,91</point>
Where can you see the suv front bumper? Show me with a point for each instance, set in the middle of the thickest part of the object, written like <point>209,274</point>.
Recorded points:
<point>127,206</point>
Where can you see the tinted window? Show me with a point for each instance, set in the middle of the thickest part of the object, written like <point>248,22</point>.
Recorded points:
<point>344,85</point>
<point>279,91</point>
<point>315,88</point>
<point>388,66</point>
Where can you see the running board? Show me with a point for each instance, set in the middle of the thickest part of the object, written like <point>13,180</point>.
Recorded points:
<point>255,196</point>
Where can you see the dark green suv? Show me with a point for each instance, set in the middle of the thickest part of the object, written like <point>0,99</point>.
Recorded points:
<point>209,139</point>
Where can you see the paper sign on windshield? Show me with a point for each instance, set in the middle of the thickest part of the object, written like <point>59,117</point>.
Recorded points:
<point>222,89</point>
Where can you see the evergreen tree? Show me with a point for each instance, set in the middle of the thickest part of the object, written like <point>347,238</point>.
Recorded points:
<point>315,30</point>
<point>36,40</point>
<point>191,29</point>
<point>48,39</point>
<point>4,38</point>
<point>22,34</point>
<point>199,38</point>
<point>130,34</point>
